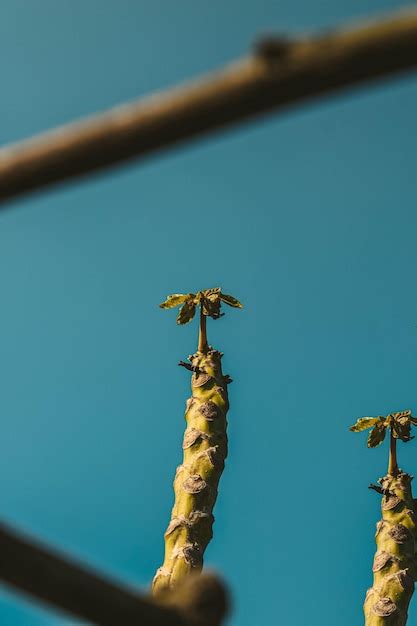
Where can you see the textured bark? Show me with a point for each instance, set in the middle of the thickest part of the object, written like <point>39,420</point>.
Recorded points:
<point>394,567</point>
<point>196,480</point>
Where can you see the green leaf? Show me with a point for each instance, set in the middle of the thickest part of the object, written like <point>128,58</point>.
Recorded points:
<point>377,435</point>
<point>401,415</point>
<point>186,313</point>
<point>231,301</point>
<point>212,294</point>
<point>211,308</point>
<point>175,299</point>
<point>401,426</point>
<point>402,431</point>
<point>364,422</point>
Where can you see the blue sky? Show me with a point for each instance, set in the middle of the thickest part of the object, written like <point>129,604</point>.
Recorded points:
<point>308,217</point>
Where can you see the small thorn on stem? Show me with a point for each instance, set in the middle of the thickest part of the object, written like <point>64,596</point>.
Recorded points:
<point>384,492</point>
<point>191,368</point>
<point>377,488</point>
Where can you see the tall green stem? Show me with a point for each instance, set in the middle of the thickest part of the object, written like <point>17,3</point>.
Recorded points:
<point>393,464</point>
<point>202,336</point>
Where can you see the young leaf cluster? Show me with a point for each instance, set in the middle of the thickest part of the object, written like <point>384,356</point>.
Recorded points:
<point>399,423</point>
<point>210,301</point>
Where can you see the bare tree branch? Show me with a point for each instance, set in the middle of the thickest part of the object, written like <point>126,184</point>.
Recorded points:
<point>280,73</point>
<point>53,579</point>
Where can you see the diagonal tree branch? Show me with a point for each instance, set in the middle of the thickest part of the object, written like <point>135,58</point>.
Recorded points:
<point>39,572</point>
<point>280,73</point>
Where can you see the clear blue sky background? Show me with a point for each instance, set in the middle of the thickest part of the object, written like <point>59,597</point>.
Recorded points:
<point>310,218</point>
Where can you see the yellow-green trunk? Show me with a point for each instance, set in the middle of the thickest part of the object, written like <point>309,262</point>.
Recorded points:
<point>196,480</point>
<point>394,567</point>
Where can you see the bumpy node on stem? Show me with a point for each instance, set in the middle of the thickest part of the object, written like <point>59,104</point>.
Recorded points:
<point>196,480</point>
<point>395,566</point>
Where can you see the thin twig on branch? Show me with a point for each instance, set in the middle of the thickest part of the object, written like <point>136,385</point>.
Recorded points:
<point>55,580</point>
<point>280,73</point>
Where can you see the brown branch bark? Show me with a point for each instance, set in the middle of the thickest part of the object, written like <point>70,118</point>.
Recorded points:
<point>53,579</point>
<point>280,73</point>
